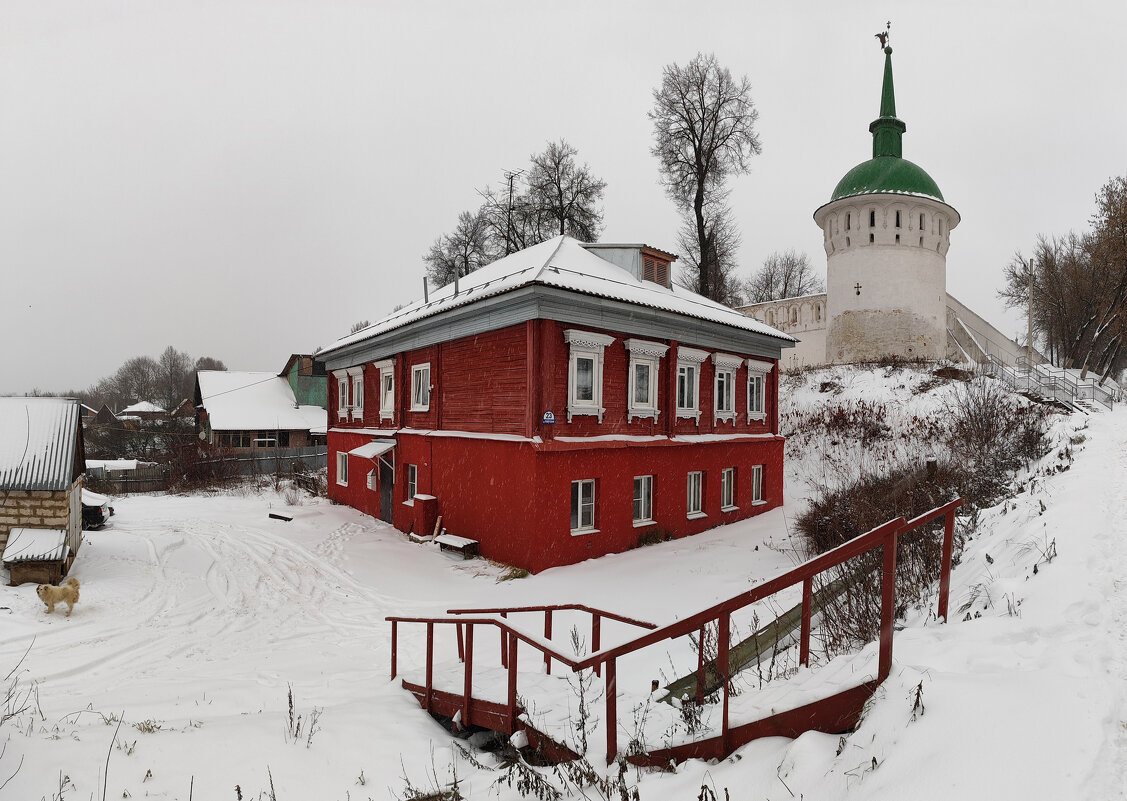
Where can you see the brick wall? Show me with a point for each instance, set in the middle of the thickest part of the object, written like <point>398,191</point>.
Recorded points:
<point>34,509</point>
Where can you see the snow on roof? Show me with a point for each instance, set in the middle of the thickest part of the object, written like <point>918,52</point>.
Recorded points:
<point>238,401</point>
<point>38,443</point>
<point>561,262</point>
<point>143,407</point>
<point>35,545</point>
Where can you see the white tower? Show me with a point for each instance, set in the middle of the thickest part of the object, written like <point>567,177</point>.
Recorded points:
<point>886,232</point>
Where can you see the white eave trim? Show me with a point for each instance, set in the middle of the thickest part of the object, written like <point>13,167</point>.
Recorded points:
<point>587,339</point>
<point>759,366</point>
<point>644,347</point>
<point>691,355</point>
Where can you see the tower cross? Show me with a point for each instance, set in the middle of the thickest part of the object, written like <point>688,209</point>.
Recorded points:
<point>858,288</point>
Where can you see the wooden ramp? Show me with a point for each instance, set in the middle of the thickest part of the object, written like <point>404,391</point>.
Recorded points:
<point>482,693</point>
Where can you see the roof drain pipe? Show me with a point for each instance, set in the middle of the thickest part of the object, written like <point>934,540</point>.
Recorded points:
<point>426,295</point>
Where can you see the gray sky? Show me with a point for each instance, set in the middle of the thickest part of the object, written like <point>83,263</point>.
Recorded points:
<point>246,179</point>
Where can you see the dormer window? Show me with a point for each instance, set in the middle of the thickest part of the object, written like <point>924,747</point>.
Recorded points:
<point>655,270</point>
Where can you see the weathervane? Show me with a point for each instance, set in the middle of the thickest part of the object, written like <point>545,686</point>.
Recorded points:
<point>883,36</point>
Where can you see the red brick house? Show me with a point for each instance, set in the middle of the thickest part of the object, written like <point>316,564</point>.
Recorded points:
<point>558,405</point>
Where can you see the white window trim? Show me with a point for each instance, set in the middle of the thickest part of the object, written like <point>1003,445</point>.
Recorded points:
<point>416,370</point>
<point>356,379</point>
<point>756,367</point>
<point>757,482</point>
<point>645,353</point>
<point>646,521</point>
<point>728,364</point>
<point>386,368</point>
<point>342,393</point>
<point>687,357</point>
<point>698,512</point>
<point>342,467</point>
<point>728,478</point>
<point>582,530</point>
<point>412,470</point>
<point>591,345</point>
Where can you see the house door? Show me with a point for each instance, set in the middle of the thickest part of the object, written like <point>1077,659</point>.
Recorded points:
<point>387,483</point>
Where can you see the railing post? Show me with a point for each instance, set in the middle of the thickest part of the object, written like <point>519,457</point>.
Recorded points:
<point>467,682</point>
<point>430,666</point>
<point>612,712</point>
<point>887,605</point>
<point>504,642</point>
<point>461,647</point>
<point>723,633</point>
<point>945,570</point>
<point>700,666</point>
<point>807,604</point>
<point>596,638</point>
<point>512,699</point>
<point>394,644</point>
<point>547,636</point>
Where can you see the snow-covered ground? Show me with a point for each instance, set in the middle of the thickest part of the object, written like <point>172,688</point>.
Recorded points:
<point>199,613</point>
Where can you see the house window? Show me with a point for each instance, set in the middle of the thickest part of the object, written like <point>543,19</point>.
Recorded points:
<point>342,393</point>
<point>357,376</point>
<point>756,388</point>
<point>724,397</point>
<point>412,482</point>
<point>728,489</point>
<point>342,468</point>
<point>695,486</point>
<point>583,506</point>
<point>420,387</point>
<point>643,499</point>
<point>387,388</point>
<point>266,439</point>
<point>283,439</point>
<point>688,382</point>
<point>757,485</point>
<point>585,372</point>
<point>642,379</point>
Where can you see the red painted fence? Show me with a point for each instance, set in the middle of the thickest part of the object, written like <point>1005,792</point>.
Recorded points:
<point>835,713</point>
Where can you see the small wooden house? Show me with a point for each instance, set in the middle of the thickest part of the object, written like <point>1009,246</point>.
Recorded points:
<point>42,463</point>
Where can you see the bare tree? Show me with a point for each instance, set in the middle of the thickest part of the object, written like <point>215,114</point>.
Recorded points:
<point>1080,288</point>
<point>704,132</point>
<point>560,197</point>
<point>137,379</point>
<point>788,274</point>
<point>467,248</point>
<point>209,363</point>
<point>175,378</point>
<point>564,196</point>
<point>721,243</point>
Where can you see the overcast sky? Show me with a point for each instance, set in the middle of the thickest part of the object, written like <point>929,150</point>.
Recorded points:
<point>245,180</point>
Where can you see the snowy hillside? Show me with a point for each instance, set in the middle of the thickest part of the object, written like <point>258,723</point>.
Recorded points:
<point>198,614</point>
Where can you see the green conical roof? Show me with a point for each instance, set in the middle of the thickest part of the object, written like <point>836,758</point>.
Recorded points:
<point>887,170</point>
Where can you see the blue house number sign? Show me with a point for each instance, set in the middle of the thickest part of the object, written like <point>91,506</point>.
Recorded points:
<point>549,419</point>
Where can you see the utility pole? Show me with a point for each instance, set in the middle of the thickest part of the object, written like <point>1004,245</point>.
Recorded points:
<point>510,176</point>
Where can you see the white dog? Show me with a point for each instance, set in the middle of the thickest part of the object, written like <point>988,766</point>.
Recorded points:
<point>66,593</point>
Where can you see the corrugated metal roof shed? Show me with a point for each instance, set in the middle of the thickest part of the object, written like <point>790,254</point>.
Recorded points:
<point>39,441</point>
<point>36,545</point>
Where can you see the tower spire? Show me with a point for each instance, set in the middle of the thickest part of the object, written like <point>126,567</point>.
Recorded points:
<point>886,129</point>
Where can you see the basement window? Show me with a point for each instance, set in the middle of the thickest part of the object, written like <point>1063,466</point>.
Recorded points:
<point>728,490</point>
<point>342,468</point>
<point>695,491</point>
<point>757,485</point>
<point>583,506</point>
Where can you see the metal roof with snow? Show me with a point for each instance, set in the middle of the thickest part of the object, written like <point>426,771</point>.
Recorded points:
<point>40,444</point>
<point>254,401</point>
<point>565,264</point>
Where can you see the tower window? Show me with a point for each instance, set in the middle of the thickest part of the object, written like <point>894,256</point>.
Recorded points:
<point>898,239</point>
<point>897,219</point>
<point>921,222</point>
<point>921,241</point>
<point>848,219</point>
<point>847,241</point>
<point>871,239</point>
<point>872,218</point>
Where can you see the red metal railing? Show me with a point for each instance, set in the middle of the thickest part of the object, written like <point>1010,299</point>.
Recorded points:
<point>605,661</point>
